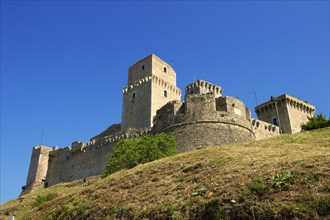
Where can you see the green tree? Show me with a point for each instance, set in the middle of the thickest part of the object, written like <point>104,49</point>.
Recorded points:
<point>131,152</point>
<point>316,122</point>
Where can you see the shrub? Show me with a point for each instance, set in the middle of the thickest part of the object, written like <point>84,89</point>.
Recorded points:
<point>41,199</point>
<point>129,153</point>
<point>316,122</point>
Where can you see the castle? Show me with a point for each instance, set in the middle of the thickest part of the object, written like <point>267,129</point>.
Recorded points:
<point>152,104</point>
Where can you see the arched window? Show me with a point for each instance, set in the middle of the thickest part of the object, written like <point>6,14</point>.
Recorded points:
<point>142,67</point>
<point>165,70</point>
<point>165,93</point>
<point>133,95</point>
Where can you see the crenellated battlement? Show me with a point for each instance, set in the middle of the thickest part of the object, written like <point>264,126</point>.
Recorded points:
<point>166,85</point>
<point>263,129</point>
<point>285,100</point>
<point>157,80</point>
<point>112,130</point>
<point>77,147</point>
<point>137,84</point>
<point>202,86</point>
<point>286,110</point>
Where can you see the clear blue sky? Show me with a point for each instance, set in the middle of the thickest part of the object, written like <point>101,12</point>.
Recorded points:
<point>64,64</point>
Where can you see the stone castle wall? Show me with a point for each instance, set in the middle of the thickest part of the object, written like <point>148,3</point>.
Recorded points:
<point>52,166</point>
<point>110,131</point>
<point>264,130</point>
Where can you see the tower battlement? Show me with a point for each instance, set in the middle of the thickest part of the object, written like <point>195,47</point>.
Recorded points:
<point>288,111</point>
<point>202,86</point>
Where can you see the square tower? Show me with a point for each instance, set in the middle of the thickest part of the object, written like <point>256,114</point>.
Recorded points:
<point>291,111</point>
<point>151,84</point>
<point>38,168</point>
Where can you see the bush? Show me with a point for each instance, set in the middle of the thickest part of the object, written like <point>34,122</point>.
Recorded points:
<point>131,152</point>
<point>316,122</point>
<point>41,199</point>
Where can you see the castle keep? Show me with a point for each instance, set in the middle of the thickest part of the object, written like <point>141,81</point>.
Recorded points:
<point>151,84</point>
<point>152,104</point>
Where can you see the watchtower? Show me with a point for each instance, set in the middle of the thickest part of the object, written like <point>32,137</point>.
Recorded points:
<point>38,167</point>
<point>286,111</point>
<point>151,84</point>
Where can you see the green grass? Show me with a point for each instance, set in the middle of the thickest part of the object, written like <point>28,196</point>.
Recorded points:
<point>286,177</point>
<point>43,198</point>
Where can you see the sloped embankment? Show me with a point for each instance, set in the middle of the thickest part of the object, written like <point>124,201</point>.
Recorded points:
<point>282,177</point>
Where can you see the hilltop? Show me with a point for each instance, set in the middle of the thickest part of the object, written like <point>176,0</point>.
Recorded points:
<point>287,176</point>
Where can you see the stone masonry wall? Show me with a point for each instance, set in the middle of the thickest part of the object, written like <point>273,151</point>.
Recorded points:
<point>38,167</point>
<point>192,136</point>
<point>66,165</point>
<point>204,120</point>
<point>163,85</point>
<point>140,70</point>
<point>84,160</point>
<point>136,106</point>
<point>264,130</point>
<point>299,112</point>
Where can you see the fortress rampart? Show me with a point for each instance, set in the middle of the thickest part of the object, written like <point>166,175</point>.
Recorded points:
<point>204,120</point>
<point>50,166</point>
<point>263,129</point>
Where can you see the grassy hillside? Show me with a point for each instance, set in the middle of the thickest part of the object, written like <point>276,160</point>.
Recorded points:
<point>278,178</point>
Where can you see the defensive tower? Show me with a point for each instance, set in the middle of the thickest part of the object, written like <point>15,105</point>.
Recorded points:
<point>38,167</point>
<point>151,84</point>
<point>287,111</point>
